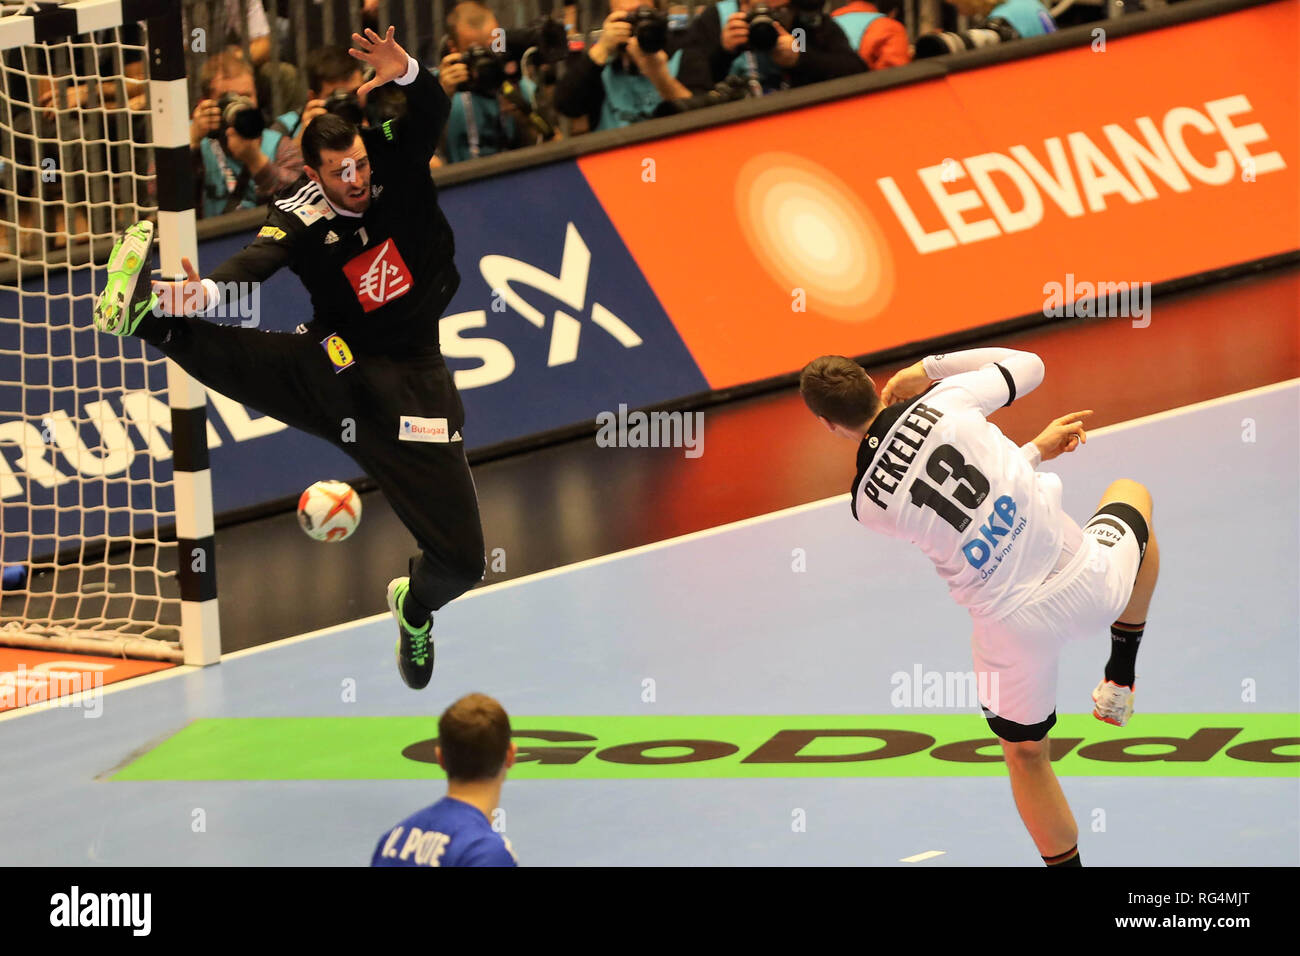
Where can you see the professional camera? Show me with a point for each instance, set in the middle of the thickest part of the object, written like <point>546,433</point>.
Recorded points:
<point>550,39</point>
<point>346,105</point>
<point>763,21</point>
<point>240,114</point>
<point>650,27</point>
<point>548,46</point>
<point>487,71</point>
<point>384,103</point>
<point>991,33</point>
<point>728,91</point>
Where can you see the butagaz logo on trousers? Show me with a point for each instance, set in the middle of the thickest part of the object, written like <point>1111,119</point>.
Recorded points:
<point>425,429</point>
<point>378,276</point>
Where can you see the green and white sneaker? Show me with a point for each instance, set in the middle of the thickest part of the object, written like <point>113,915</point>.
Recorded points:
<point>129,294</point>
<point>414,648</point>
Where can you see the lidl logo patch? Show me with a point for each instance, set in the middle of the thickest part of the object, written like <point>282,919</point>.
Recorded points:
<point>338,351</point>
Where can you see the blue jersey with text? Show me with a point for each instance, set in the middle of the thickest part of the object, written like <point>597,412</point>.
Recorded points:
<point>448,833</point>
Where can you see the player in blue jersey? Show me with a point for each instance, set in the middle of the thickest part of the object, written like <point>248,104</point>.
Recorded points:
<point>475,750</point>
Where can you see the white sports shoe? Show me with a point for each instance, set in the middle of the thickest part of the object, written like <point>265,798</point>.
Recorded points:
<point>1114,703</point>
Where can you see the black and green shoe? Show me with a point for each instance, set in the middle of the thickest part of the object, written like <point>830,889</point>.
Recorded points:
<point>414,648</point>
<point>128,295</point>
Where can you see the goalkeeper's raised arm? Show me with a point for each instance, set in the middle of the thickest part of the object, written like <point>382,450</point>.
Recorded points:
<point>427,105</point>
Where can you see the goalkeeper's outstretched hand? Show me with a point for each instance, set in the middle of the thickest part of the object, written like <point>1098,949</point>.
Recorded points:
<point>385,55</point>
<point>184,297</point>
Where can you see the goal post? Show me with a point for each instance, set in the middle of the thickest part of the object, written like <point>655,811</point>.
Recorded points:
<point>108,538</point>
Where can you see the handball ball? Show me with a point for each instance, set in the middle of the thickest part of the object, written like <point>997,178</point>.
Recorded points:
<point>329,510</point>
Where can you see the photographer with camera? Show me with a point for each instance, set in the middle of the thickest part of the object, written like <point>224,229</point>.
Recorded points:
<point>773,44</point>
<point>492,108</point>
<point>333,78</point>
<point>240,161</point>
<point>636,65</point>
<point>874,32</point>
<point>991,22</point>
<point>1029,18</point>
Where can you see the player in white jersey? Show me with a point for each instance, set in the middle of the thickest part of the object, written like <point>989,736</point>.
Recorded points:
<point>934,471</point>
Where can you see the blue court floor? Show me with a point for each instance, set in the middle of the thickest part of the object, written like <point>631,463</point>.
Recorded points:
<point>796,616</point>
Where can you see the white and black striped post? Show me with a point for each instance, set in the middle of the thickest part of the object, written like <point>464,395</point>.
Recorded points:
<point>192,478</point>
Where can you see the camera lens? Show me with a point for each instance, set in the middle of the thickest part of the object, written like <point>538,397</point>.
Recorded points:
<point>762,28</point>
<point>346,105</point>
<point>650,28</point>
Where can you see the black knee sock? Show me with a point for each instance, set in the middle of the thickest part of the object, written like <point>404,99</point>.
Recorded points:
<point>1124,641</point>
<point>1069,858</point>
<point>415,611</point>
<point>434,583</point>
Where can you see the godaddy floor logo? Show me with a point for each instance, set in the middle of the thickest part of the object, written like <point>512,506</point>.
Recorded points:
<point>841,745</point>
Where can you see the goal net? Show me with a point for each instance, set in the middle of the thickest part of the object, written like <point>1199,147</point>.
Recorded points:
<point>107,523</point>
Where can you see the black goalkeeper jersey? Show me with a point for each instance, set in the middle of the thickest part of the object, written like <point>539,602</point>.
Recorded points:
<point>380,279</point>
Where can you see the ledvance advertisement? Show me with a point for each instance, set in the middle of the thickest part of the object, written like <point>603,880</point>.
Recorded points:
<point>917,212</point>
<point>670,267</point>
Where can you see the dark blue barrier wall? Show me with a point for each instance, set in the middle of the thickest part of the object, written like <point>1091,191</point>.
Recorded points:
<point>571,329</point>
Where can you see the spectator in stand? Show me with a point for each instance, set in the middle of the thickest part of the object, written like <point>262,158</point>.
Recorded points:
<point>615,83</point>
<point>278,82</point>
<point>872,30</point>
<point>492,111</point>
<point>329,70</point>
<point>721,32</point>
<point>235,172</point>
<point>1029,18</point>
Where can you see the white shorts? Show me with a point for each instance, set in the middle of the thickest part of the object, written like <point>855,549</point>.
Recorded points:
<point>1019,651</point>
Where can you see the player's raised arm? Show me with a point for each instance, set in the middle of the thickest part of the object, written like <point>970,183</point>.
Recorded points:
<point>427,105</point>
<point>995,376</point>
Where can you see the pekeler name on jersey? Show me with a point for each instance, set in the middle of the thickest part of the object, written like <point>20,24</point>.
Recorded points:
<point>895,458</point>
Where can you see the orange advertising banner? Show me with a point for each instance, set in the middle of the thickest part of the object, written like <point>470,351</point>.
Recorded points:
<point>907,214</point>
<point>31,677</point>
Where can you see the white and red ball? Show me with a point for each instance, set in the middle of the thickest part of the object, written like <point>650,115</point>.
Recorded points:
<point>329,510</point>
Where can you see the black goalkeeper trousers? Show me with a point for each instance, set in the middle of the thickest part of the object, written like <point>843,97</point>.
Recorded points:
<point>359,409</point>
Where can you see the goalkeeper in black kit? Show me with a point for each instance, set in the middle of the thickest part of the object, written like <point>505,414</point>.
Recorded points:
<point>363,230</point>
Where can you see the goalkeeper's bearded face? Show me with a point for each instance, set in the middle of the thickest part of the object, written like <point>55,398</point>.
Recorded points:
<point>344,175</point>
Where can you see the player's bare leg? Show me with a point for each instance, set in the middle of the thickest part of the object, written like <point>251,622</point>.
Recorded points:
<point>1039,798</point>
<point>1114,695</point>
<point>1130,492</point>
